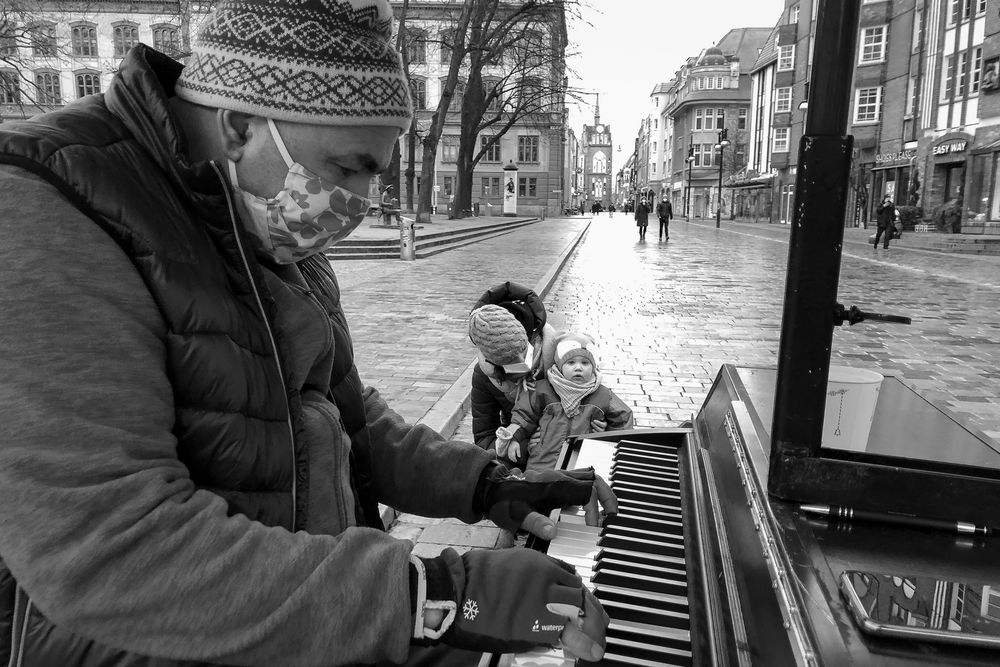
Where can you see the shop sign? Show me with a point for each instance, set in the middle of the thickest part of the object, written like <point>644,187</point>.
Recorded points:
<point>950,147</point>
<point>893,157</point>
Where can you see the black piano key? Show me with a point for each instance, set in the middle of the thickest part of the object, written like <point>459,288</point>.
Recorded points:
<point>672,603</point>
<point>635,478</point>
<point>661,498</point>
<point>614,541</point>
<point>648,523</point>
<point>628,507</point>
<point>672,570</point>
<point>623,612</point>
<point>630,532</point>
<point>638,557</point>
<point>680,641</point>
<point>611,576</point>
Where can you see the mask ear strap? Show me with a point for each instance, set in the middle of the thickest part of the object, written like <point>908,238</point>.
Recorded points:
<point>280,144</point>
<point>232,174</point>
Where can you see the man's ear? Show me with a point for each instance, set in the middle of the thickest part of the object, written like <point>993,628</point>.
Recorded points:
<point>235,131</point>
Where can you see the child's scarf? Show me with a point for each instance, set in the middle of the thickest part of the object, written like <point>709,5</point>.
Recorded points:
<point>570,393</point>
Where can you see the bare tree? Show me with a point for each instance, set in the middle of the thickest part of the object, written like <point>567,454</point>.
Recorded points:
<point>516,77</point>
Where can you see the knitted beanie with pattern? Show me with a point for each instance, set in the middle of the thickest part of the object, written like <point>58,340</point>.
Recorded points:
<point>322,62</point>
<point>498,335</point>
<point>572,344</point>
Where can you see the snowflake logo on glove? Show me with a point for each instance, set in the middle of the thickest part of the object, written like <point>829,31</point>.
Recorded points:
<point>470,610</point>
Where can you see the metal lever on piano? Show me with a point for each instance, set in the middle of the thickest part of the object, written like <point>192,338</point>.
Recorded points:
<point>855,315</point>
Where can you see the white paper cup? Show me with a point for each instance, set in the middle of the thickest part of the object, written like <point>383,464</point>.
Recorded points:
<point>851,395</point>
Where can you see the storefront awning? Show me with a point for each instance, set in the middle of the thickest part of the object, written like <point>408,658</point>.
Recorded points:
<point>762,181</point>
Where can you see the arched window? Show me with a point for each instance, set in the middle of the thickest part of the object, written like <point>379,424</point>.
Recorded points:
<point>493,94</point>
<point>125,35</point>
<point>599,163</point>
<point>87,83</point>
<point>84,40</point>
<point>418,88</point>
<point>166,38</point>
<point>8,39</point>
<point>447,44</point>
<point>49,87</point>
<point>456,98</point>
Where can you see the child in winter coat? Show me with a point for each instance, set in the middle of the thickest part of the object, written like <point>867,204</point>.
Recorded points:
<point>563,404</point>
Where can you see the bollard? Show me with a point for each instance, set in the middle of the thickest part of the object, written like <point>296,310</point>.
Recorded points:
<point>407,239</point>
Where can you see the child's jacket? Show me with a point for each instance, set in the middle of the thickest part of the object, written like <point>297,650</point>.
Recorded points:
<point>542,410</point>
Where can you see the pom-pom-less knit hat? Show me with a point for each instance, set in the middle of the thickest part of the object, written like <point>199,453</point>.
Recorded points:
<point>572,344</point>
<point>499,336</point>
<point>325,62</point>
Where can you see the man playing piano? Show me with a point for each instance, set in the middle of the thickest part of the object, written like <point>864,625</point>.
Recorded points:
<point>191,468</point>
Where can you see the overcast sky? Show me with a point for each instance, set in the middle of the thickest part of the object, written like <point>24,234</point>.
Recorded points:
<point>630,46</point>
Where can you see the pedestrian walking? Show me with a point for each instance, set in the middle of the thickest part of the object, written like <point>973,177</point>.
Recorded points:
<point>515,345</point>
<point>191,467</point>
<point>642,218</point>
<point>611,210</point>
<point>885,216</point>
<point>570,401</point>
<point>664,211</point>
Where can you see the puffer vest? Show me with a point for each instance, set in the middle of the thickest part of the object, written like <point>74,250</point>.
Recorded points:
<point>117,158</point>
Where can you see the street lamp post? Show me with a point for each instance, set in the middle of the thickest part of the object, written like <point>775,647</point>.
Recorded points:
<point>723,142</point>
<point>687,192</point>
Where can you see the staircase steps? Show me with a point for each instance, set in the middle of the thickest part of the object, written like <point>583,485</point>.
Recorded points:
<point>426,244</point>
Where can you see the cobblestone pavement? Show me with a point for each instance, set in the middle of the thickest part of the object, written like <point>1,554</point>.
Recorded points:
<point>668,314</point>
<point>409,320</point>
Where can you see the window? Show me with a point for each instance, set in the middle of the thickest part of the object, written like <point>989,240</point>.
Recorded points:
<point>782,99</point>
<point>741,122</point>
<point>699,119</point>
<point>780,141</point>
<point>703,155</point>
<point>868,105</point>
<point>948,80</point>
<point>126,35</point>
<point>786,57</point>
<point>918,25</point>
<point>719,83</point>
<point>654,148</point>
<point>793,14</point>
<point>527,187</point>
<point>10,88</point>
<point>455,105</point>
<point>166,39</point>
<point>47,83</point>
<point>720,118</point>
<point>449,148</point>
<point>416,46</point>
<point>84,40</point>
<point>872,44</point>
<point>963,72</point>
<point>656,123</point>
<point>43,39</point>
<point>447,43</point>
<point>491,186</point>
<point>8,40</point>
<point>418,89</point>
<point>527,149</point>
<point>492,153</point>
<point>493,94</point>
<point>653,166</point>
<point>449,186</point>
<point>960,11</point>
<point>87,83</point>
<point>977,69</point>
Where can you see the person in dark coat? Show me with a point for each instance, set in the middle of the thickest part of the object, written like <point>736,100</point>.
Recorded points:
<point>642,218</point>
<point>664,211</point>
<point>885,215</point>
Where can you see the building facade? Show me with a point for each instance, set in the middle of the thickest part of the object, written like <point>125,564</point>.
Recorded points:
<point>597,158</point>
<point>925,113</point>
<point>53,54</point>
<point>533,142</point>
<point>712,97</point>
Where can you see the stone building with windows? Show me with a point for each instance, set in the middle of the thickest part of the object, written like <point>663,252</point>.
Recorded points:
<point>597,156</point>
<point>534,142</point>
<point>925,113</point>
<point>52,54</point>
<point>712,95</point>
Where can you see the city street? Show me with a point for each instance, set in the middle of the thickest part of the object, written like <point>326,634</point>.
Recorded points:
<point>667,315</point>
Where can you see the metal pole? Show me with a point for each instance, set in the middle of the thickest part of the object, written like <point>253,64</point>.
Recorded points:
<point>718,204</point>
<point>817,233</point>
<point>687,195</point>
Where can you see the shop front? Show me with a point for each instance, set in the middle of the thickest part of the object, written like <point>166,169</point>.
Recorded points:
<point>982,214</point>
<point>751,195</point>
<point>948,160</point>
<point>893,175</point>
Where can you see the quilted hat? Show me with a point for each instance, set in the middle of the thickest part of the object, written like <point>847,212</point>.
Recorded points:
<point>500,337</point>
<point>572,344</point>
<point>325,62</point>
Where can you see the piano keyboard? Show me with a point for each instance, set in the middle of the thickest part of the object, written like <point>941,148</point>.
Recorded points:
<point>635,566</point>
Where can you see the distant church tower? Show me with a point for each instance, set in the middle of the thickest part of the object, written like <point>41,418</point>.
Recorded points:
<point>597,161</point>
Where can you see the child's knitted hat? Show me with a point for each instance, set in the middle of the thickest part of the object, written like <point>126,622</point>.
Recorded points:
<point>572,344</point>
<point>500,337</point>
<point>324,62</point>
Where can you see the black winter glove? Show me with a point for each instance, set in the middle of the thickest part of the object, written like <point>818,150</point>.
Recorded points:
<point>502,597</point>
<point>506,495</point>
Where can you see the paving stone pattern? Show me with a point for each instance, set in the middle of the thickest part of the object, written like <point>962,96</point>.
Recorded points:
<point>668,314</point>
